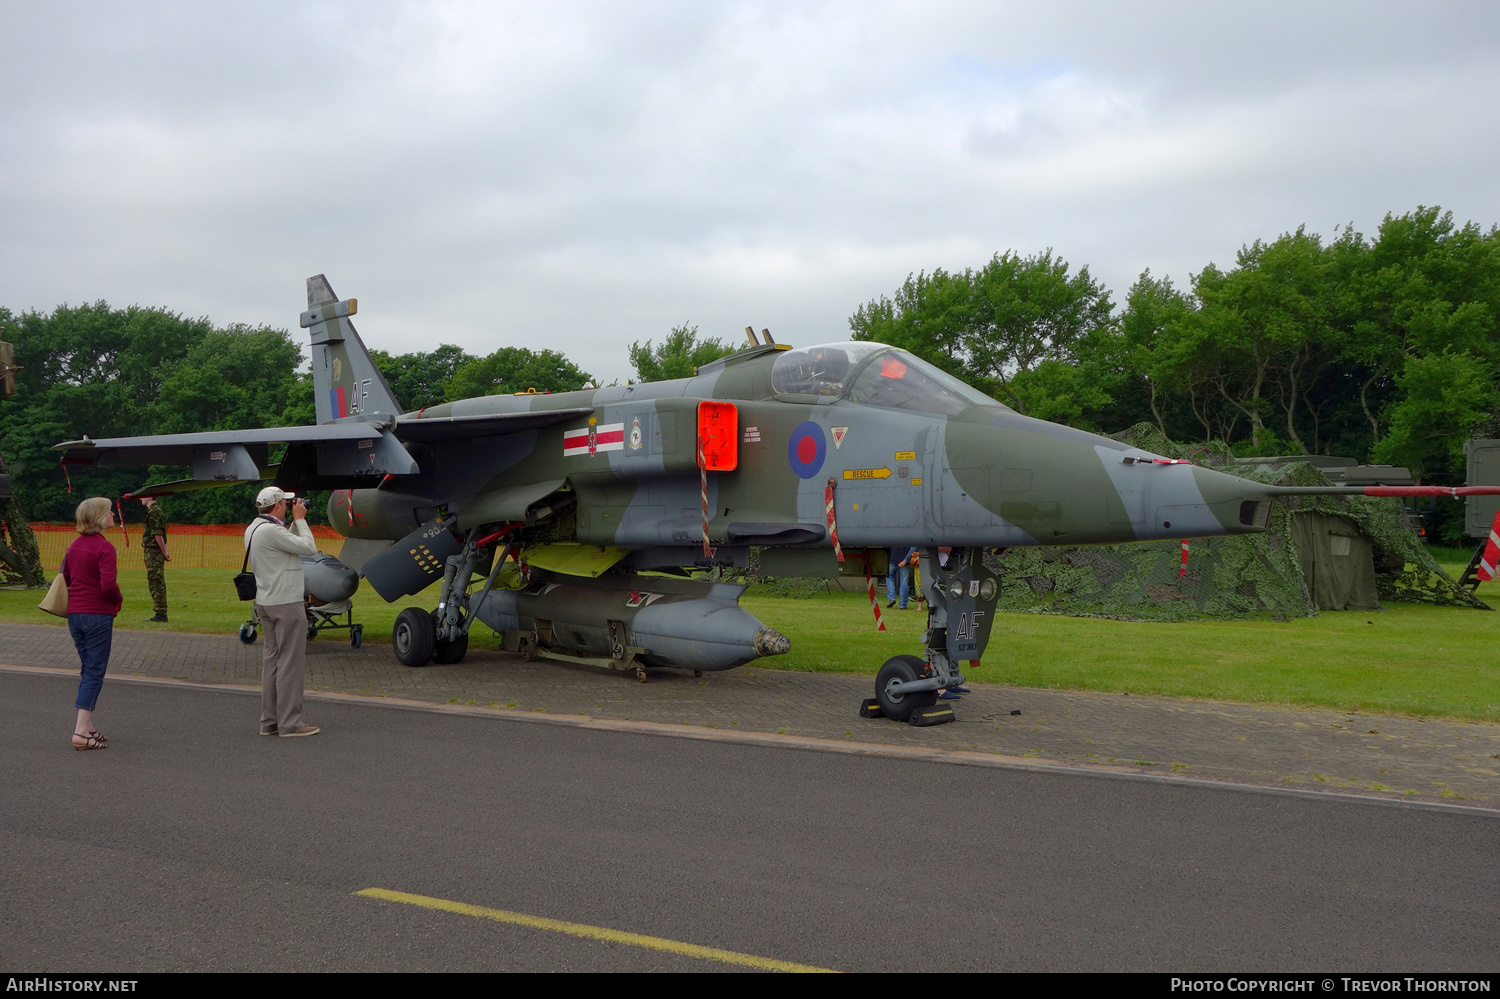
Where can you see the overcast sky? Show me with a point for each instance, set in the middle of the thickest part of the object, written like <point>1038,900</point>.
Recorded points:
<point>577,176</point>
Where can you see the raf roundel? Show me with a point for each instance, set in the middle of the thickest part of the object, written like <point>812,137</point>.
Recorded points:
<point>806,449</point>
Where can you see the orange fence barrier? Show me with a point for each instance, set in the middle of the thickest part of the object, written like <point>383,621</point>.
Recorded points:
<point>193,546</point>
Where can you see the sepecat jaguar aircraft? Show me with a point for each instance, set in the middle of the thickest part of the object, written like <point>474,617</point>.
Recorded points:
<point>585,526</point>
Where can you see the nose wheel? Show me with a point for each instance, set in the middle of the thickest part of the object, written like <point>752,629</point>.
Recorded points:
<point>896,703</point>
<point>961,597</point>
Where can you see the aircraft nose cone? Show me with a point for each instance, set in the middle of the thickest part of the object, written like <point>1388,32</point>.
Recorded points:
<point>770,642</point>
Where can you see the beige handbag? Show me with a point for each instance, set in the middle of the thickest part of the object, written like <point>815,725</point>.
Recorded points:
<point>56,600</point>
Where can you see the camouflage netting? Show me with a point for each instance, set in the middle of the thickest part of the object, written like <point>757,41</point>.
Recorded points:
<point>1245,576</point>
<point>19,562</point>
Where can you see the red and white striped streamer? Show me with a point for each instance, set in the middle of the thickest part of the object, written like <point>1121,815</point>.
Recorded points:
<point>703,485</point>
<point>874,603</point>
<point>833,528</point>
<point>1182,569</point>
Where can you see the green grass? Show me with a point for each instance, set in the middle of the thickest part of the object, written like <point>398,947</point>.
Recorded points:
<point>1451,559</point>
<point>1408,658</point>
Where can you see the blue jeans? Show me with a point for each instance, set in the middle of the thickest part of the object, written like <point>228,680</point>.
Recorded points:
<point>92,634</point>
<point>903,571</point>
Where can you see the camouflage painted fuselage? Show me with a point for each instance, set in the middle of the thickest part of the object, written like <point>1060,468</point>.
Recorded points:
<point>627,457</point>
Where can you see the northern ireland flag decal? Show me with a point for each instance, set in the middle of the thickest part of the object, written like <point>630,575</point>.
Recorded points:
<point>594,438</point>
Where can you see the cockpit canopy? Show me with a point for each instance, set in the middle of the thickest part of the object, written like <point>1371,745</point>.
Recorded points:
<point>874,374</point>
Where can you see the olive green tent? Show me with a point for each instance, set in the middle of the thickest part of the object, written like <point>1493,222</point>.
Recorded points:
<point>1337,561</point>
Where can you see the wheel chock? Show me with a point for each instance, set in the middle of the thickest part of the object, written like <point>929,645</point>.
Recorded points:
<point>870,708</point>
<point>938,714</point>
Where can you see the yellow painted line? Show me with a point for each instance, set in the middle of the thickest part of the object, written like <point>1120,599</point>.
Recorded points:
<point>593,932</point>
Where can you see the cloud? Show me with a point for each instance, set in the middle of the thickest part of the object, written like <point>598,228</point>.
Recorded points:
<point>581,175</point>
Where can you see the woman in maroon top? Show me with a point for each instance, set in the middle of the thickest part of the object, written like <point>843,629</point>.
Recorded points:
<point>94,599</point>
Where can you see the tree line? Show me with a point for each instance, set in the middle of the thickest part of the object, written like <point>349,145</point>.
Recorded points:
<point>96,371</point>
<point>1384,348</point>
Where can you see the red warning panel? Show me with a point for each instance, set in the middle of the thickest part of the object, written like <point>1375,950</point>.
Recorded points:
<point>718,436</point>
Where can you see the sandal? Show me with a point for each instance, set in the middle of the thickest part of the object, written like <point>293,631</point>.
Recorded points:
<point>94,734</point>
<point>92,740</point>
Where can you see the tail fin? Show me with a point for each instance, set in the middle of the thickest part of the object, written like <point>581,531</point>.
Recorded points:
<point>345,380</point>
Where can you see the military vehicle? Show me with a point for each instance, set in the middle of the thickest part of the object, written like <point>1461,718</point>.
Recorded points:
<point>580,525</point>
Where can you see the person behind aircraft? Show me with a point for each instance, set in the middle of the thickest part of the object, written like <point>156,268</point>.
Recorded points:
<point>898,575</point>
<point>154,551</point>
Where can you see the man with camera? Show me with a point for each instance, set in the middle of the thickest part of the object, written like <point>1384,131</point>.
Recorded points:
<point>275,549</point>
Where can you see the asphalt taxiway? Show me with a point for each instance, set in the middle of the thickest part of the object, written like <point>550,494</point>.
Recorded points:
<point>1398,758</point>
<point>413,836</point>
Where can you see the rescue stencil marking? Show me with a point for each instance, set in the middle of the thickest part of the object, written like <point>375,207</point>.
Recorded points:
<point>867,473</point>
<point>593,439</point>
<point>806,450</point>
<point>838,436</point>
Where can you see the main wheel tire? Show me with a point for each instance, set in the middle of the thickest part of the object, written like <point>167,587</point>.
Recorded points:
<point>452,651</point>
<point>900,706</point>
<point>412,637</point>
<point>247,634</point>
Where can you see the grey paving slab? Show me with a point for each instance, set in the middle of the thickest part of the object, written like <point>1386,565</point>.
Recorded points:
<point>1380,755</point>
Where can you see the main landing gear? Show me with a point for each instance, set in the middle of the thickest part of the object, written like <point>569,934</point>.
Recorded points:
<point>442,635</point>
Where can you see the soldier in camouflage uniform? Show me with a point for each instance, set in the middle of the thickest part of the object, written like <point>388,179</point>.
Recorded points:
<point>19,555</point>
<point>154,548</point>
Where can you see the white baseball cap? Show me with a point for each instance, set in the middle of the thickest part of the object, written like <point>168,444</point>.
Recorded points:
<point>270,496</point>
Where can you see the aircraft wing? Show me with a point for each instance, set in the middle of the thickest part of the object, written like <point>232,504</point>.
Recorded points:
<point>329,455</point>
<point>446,428</point>
<point>349,448</point>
